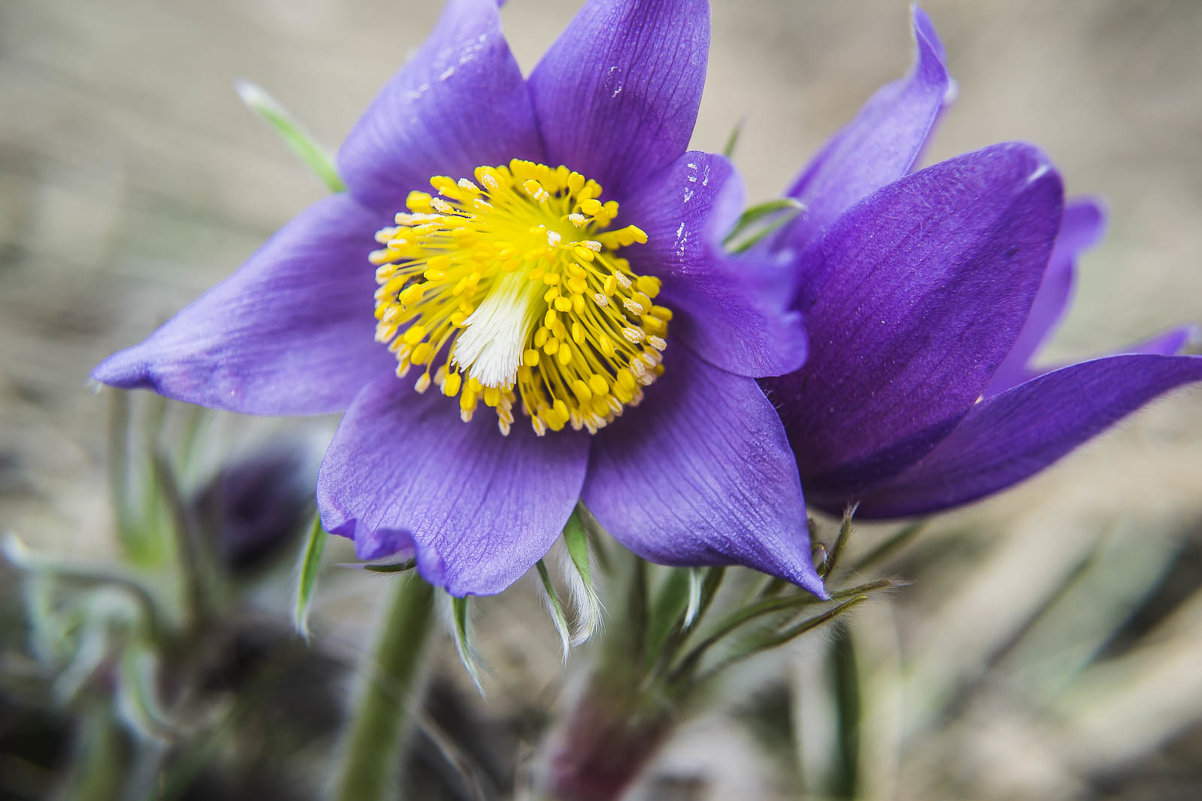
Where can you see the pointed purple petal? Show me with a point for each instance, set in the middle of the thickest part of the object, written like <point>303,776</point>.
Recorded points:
<point>478,509</point>
<point>912,300</point>
<point>292,332</point>
<point>700,474</point>
<point>1012,436</point>
<point>879,146</point>
<point>617,94</point>
<point>460,102</point>
<point>1170,343</point>
<point>733,311</point>
<point>1081,228</point>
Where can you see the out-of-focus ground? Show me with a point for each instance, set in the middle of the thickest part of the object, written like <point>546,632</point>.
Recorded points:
<point>131,178</point>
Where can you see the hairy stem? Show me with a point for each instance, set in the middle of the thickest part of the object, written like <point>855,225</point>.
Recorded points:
<point>373,740</point>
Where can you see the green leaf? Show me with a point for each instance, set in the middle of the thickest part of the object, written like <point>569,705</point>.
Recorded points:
<point>759,221</point>
<point>300,141</point>
<point>43,573</point>
<point>463,643</point>
<point>137,703</point>
<point>787,603</point>
<point>694,605</point>
<point>831,562</point>
<point>556,609</point>
<point>579,575</point>
<point>732,141</point>
<point>310,563</point>
<point>387,567</point>
<point>669,609</point>
<point>791,633</point>
<point>194,557</point>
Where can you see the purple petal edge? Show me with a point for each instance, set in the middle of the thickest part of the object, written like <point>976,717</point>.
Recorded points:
<point>459,103</point>
<point>1082,227</point>
<point>617,94</point>
<point>912,300</point>
<point>291,332</point>
<point>700,474</point>
<point>1012,436</point>
<point>733,311</point>
<point>478,509</point>
<point>879,146</point>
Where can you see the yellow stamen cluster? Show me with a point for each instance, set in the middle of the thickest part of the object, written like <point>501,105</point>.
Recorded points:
<point>510,285</point>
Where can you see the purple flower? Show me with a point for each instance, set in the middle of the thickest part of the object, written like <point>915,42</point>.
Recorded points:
<point>926,296</point>
<point>528,307</point>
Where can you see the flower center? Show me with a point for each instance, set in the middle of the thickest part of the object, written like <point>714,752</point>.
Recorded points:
<point>510,286</point>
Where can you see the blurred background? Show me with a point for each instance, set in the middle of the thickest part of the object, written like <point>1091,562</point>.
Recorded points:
<point>1050,645</point>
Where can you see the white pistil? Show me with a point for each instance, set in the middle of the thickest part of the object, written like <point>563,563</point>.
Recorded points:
<point>495,334</point>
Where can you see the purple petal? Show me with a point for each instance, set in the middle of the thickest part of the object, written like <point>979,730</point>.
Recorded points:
<point>460,102</point>
<point>1012,436</point>
<point>879,146</point>
<point>477,509</point>
<point>1082,227</point>
<point>733,311</point>
<point>1169,343</point>
<point>617,94</point>
<point>912,300</point>
<point>700,474</point>
<point>292,332</point>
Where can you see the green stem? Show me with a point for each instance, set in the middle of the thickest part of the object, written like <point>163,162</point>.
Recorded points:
<point>372,746</point>
<point>99,763</point>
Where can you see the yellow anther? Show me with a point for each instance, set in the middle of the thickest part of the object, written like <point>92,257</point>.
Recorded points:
<point>418,203</point>
<point>506,287</point>
<point>421,353</point>
<point>412,294</point>
<point>648,285</point>
<point>415,334</point>
<point>654,325</point>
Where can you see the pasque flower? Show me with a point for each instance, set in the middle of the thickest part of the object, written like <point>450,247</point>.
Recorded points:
<point>926,295</point>
<point>554,318</point>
